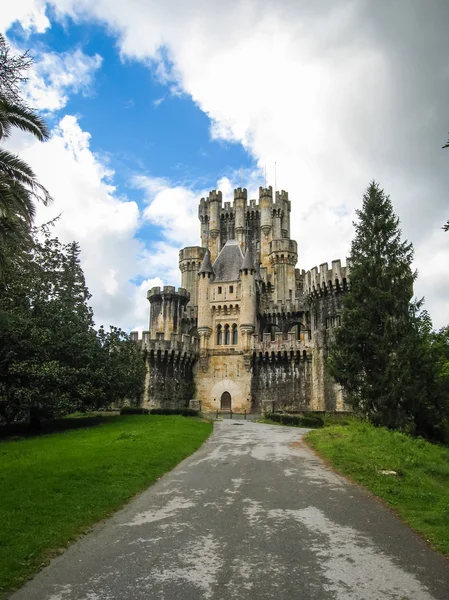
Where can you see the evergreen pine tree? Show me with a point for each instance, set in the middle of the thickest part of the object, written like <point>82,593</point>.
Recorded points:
<point>367,355</point>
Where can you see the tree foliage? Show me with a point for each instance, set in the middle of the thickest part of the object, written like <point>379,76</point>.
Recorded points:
<point>384,354</point>
<point>52,360</point>
<point>12,71</point>
<point>19,186</point>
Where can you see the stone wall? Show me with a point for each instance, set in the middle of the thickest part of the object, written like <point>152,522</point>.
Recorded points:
<point>169,383</point>
<point>281,383</point>
<point>223,371</point>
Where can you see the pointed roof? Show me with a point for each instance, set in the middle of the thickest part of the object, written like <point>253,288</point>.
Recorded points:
<point>206,265</point>
<point>248,261</point>
<point>228,262</point>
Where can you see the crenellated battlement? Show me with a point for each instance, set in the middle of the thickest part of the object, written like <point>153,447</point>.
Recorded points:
<point>215,196</point>
<point>266,192</point>
<point>179,347</point>
<point>288,307</point>
<point>280,348</point>
<point>322,280</point>
<point>240,194</point>
<point>281,196</point>
<point>169,291</point>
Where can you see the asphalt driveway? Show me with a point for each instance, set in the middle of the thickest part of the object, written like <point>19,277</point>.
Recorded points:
<point>252,515</point>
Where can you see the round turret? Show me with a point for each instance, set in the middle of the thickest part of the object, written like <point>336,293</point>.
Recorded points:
<point>166,308</point>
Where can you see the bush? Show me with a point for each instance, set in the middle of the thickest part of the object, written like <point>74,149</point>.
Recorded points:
<point>290,420</point>
<point>134,410</point>
<point>307,421</point>
<point>273,417</point>
<point>316,422</point>
<point>185,412</point>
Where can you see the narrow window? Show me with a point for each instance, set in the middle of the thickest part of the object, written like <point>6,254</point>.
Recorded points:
<point>235,335</point>
<point>219,335</point>
<point>219,289</point>
<point>227,335</point>
<point>231,289</point>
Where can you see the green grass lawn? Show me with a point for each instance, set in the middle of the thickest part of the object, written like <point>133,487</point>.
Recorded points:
<point>55,486</point>
<point>419,493</point>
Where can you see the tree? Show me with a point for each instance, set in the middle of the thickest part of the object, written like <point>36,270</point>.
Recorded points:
<point>366,355</point>
<point>12,69</point>
<point>19,186</point>
<point>52,360</point>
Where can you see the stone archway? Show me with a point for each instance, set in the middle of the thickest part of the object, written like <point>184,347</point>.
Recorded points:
<point>225,402</point>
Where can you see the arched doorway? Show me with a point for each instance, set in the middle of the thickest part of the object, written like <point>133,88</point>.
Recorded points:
<point>225,401</point>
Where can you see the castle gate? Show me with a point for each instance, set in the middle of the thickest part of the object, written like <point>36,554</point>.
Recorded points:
<point>225,403</point>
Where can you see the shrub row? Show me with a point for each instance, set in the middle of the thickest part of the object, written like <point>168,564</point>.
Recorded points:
<point>134,410</point>
<point>137,410</point>
<point>305,421</point>
<point>185,412</point>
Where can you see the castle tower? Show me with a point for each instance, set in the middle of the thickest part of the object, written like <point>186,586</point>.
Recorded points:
<point>283,255</point>
<point>266,223</point>
<point>248,297</point>
<point>286,206</point>
<point>166,308</point>
<point>205,276</point>
<point>215,204</point>
<point>190,259</point>
<point>240,199</point>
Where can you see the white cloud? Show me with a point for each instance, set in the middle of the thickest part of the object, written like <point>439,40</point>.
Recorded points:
<point>93,214</point>
<point>30,13</point>
<point>55,76</point>
<point>337,93</point>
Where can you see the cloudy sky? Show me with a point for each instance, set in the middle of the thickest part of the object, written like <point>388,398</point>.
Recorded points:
<point>154,103</point>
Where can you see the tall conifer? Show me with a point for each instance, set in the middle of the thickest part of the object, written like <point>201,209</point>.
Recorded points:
<point>367,354</point>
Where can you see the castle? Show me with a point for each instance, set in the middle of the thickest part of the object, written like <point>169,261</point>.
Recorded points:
<point>247,330</point>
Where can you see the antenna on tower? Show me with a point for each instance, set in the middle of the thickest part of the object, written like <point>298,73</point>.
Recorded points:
<point>265,175</point>
<point>275,180</point>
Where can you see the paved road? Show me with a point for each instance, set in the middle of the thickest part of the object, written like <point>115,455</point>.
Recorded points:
<point>252,515</point>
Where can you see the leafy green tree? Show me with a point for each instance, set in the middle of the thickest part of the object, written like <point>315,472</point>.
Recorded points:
<point>121,368</point>
<point>52,360</point>
<point>48,340</point>
<point>366,356</point>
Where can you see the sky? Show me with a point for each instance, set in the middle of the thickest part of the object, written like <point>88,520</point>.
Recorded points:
<point>152,104</point>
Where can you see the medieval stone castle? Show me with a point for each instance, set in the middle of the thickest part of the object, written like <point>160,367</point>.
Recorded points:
<point>247,330</point>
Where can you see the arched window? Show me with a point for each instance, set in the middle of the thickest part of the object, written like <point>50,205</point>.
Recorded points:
<point>235,335</point>
<point>219,335</point>
<point>227,335</point>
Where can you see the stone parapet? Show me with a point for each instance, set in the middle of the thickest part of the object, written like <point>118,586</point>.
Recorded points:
<point>286,307</point>
<point>279,344</point>
<point>179,347</point>
<point>168,290</point>
<point>324,280</point>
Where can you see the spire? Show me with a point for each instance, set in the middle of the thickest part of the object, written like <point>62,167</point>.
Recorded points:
<point>248,261</point>
<point>206,265</point>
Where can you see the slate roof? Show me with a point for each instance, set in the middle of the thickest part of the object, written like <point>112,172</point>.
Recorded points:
<point>206,266</point>
<point>228,263</point>
<point>248,261</point>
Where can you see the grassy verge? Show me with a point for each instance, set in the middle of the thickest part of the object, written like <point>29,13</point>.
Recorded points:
<point>56,486</point>
<point>419,493</point>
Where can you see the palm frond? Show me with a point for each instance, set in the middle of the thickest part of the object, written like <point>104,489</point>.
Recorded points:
<point>22,117</point>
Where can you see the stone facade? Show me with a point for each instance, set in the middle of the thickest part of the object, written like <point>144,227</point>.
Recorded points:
<point>247,330</point>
